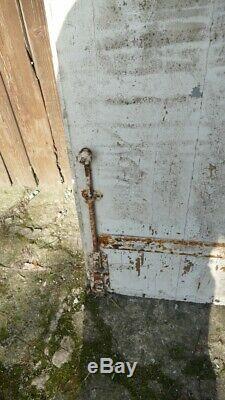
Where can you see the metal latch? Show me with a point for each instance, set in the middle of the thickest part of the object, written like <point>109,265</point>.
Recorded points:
<point>98,268</point>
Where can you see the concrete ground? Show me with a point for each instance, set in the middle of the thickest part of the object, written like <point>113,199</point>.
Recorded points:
<point>50,328</point>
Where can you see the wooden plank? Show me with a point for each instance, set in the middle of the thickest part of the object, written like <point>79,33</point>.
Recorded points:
<point>25,95</point>
<point>4,178</point>
<point>11,144</point>
<point>37,33</point>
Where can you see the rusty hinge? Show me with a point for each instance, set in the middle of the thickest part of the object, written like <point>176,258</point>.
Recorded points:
<point>98,268</point>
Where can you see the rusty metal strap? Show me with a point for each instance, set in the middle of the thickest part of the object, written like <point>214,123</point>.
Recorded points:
<point>167,246</point>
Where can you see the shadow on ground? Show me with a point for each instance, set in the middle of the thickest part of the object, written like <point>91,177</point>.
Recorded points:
<point>169,340</point>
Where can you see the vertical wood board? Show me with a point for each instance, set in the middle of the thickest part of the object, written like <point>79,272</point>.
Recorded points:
<point>11,145</point>
<point>33,14</point>
<point>4,178</point>
<point>25,95</point>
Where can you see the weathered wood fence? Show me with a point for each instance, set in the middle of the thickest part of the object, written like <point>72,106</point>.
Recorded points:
<point>32,140</point>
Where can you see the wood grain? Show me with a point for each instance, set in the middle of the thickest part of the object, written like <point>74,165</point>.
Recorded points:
<point>25,95</point>
<point>37,33</point>
<point>4,178</point>
<point>11,144</point>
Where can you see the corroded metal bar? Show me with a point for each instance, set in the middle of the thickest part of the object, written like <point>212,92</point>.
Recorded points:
<point>98,262</point>
<point>168,246</point>
<point>85,158</point>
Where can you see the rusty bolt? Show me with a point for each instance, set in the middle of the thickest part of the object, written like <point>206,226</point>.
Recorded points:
<point>85,156</point>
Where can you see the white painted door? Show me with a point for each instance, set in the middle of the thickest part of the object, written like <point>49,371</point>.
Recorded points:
<point>143,87</point>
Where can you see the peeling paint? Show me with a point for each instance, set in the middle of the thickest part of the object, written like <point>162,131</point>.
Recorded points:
<point>188,267</point>
<point>196,92</point>
<point>139,262</point>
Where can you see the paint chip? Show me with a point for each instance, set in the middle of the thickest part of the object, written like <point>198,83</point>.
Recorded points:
<point>196,92</point>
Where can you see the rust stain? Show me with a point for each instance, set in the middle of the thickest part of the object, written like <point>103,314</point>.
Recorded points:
<point>139,262</point>
<point>98,262</point>
<point>212,170</point>
<point>99,273</point>
<point>85,158</point>
<point>181,247</point>
<point>109,239</point>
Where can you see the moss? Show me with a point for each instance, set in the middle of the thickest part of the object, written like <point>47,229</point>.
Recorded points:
<point>17,380</point>
<point>139,386</point>
<point>67,377</point>
<point>13,384</point>
<point>31,306</point>
<point>178,352</point>
<point>200,366</point>
<point>3,287</point>
<point>4,334</point>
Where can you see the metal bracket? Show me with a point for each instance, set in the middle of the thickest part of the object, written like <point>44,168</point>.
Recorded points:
<point>98,271</point>
<point>96,195</point>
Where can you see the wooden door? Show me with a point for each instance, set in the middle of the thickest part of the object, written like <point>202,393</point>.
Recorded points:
<point>144,88</point>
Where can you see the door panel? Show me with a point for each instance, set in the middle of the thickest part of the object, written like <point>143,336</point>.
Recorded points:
<point>169,269</point>
<point>143,86</point>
